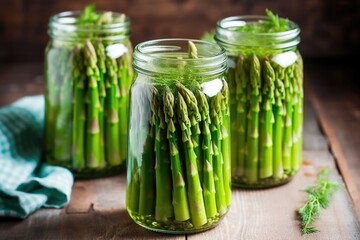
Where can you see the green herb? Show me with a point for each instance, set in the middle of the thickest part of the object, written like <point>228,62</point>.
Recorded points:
<point>208,36</point>
<point>89,15</point>
<point>318,198</point>
<point>273,25</point>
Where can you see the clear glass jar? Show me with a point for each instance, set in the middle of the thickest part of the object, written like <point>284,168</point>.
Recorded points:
<point>265,80</point>
<point>88,72</point>
<point>178,170</point>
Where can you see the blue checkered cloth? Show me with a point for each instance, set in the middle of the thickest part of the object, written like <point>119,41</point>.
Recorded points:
<point>27,184</point>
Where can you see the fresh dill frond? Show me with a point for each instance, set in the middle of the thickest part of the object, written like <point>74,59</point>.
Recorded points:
<point>274,24</point>
<point>319,197</point>
<point>88,15</point>
<point>209,36</point>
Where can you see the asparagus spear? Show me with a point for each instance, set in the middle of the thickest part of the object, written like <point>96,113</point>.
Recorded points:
<point>206,147</point>
<point>147,176</point>
<point>134,163</point>
<point>266,131</point>
<point>52,97</point>
<point>278,111</point>
<point>180,200</point>
<point>133,185</point>
<point>125,76</point>
<point>225,142</point>
<point>163,207</point>
<point>112,119</point>
<point>93,137</point>
<point>62,131</point>
<point>194,117</point>
<point>254,86</point>
<point>230,76</point>
<point>241,79</point>
<point>196,201</point>
<point>287,136</point>
<point>78,138</point>
<point>297,116</point>
<point>100,54</point>
<point>216,122</point>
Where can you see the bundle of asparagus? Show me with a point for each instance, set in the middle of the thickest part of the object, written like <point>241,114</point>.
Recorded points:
<point>266,114</point>
<point>179,159</point>
<point>266,106</point>
<point>87,99</point>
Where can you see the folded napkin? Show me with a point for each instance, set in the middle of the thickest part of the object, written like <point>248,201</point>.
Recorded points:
<point>27,184</point>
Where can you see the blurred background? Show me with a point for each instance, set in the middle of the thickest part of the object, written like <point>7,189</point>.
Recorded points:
<point>330,28</point>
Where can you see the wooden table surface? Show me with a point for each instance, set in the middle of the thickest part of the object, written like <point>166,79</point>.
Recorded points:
<point>331,139</point>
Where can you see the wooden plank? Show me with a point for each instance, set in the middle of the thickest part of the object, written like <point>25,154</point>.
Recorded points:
<point>341,161</point>
<point>337,105</point>
<point>271,213</point>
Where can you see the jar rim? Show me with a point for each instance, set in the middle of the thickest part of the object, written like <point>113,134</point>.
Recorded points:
<point>162,55</point>
<point>226,34</point>
<point>66,23</point>
<point>225,24</point>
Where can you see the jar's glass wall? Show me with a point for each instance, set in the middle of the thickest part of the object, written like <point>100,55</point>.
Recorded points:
<point>265,79</point>
<point>88,76</point>
<point>178,172</point>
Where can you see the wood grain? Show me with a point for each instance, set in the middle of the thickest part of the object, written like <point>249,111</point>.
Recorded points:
<point>337,105</point>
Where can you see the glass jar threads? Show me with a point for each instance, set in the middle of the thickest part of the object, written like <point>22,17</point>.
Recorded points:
<point>88,75</point>
<point>265,80</point>
<point>178,171</point>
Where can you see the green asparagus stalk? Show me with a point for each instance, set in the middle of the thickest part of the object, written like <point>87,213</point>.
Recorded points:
<point>125,77</point>
<point>147,174</point>
<point>252,137</point>
<point>195,118</point>
<point>297,116</point>
<point>266,130</point>
<point>241,76</point>
<point>62,131</point>
<point>180,200</point>
<point>278,111</point>
<point>78,138</point>
<point>163,207</point>
<point>196,201</point>
<point>225,142</point>
<point>134,156</point>
<point>100,54</point>
<point>112,119</point>
<point>287,136</point>
<point>235,126</point>
<point>133,185</point>
<point>216,122</point>
<point>93,137</point>
<point>206,147</point>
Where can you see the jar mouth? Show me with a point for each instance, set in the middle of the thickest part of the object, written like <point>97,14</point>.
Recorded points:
<point>166,56</point>
<point>228,33</point>
<point>65,26</point>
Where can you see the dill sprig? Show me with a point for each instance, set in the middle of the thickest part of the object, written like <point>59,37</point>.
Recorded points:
<point>89,15</point>
<point>209,36</point>
<point>318,198</point>
<point>274,24</point>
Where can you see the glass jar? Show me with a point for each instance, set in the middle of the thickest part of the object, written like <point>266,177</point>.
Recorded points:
<point>88,72</point>
<point>178,171</point>
<point>265,80</point>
